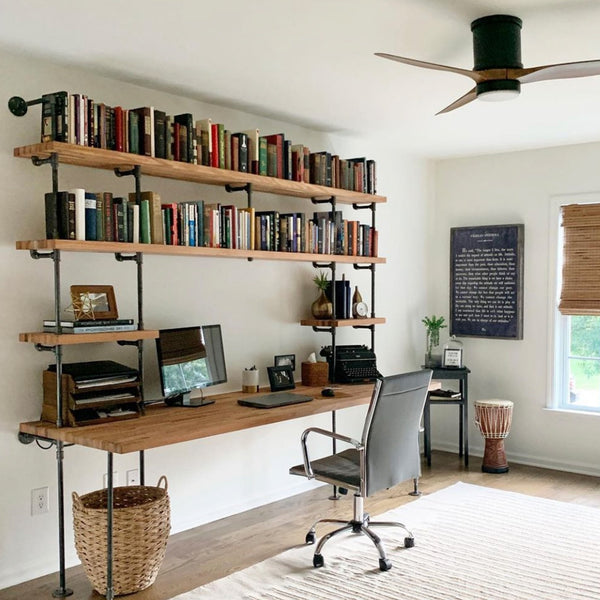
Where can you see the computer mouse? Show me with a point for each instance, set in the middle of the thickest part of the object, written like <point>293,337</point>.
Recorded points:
<point>328,392</point>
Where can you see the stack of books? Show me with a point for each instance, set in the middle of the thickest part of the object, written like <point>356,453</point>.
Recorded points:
<point>89,326</point>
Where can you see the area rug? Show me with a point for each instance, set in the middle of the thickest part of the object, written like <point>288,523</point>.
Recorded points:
<point>471,543</point>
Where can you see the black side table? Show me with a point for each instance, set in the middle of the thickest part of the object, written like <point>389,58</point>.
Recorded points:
<point>460,375</point>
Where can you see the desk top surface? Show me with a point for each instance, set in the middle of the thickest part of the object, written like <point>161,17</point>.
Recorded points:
<point>162,425</point>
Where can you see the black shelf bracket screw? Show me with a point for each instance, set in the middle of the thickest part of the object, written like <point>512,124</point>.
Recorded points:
<point>18,106</point>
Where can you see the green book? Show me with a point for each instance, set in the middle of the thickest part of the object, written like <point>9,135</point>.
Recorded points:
<point>262,155</point>
<point>100,234</point>
<point>145,221</point>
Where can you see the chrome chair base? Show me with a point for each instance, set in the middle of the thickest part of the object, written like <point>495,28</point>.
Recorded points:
<point>360,524</point>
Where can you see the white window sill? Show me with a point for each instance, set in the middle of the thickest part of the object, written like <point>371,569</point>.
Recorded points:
<point>579,412</point>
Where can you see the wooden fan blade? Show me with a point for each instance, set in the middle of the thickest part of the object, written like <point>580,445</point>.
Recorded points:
<point>468,97</point>
<point>474,75</point>
<point>584,68</point>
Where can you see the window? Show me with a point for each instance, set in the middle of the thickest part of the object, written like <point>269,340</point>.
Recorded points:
<point>577,324</point>
<point>580,363</point>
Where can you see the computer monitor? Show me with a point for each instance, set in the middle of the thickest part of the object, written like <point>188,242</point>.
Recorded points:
<point>190,358</point>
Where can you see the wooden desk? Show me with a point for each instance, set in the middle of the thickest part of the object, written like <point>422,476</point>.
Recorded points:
<point>165,425</point>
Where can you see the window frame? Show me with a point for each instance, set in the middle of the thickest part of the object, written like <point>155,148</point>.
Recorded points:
<point>559,325</point>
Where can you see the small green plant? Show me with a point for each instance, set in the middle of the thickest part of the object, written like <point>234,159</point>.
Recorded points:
<point>433,325</point>
<point>321,281</point>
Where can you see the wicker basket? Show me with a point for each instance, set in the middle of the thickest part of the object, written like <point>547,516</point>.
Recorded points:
<point>141,525</point>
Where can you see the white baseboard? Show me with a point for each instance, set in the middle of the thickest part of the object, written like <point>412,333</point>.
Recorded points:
<point>581,468</point>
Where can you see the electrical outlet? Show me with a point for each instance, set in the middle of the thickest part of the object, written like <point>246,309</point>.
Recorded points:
<point>115,479</point>
<point>39,501</point>
<point>133,477</point>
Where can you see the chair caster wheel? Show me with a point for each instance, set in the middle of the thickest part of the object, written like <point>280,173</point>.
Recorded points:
<point>311,537</point>
<point>409,542</point>
<point>318,561</point>
<point>385,564</point>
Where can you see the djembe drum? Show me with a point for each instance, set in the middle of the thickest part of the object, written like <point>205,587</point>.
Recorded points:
<point>494,417</point>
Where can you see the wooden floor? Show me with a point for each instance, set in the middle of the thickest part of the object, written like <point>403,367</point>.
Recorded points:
<point>212,551</point>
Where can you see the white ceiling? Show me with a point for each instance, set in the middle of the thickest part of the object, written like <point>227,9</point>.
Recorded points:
<point>312,62</point>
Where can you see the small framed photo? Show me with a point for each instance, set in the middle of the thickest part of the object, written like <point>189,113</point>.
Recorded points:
<point>285,359</point>
<point>92,302</point>
<point>452,358</point>
<point>281,378</point>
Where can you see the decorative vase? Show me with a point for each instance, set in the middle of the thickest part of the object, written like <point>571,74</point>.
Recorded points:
<point>322,308</point>
<point>433,357</point>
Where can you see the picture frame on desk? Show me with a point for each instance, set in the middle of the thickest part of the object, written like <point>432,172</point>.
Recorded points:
<point>285,359</point>
<point>452,358</point>
<point>91,302</point>
<point>281,378</point>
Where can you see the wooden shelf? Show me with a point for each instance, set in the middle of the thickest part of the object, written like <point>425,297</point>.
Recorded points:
<point>130,248</point>
<point>342,322</point>
<point>98,158</point>
<point>52,339</point>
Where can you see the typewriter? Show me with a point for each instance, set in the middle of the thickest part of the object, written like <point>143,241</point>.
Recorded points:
<point>353,364</point>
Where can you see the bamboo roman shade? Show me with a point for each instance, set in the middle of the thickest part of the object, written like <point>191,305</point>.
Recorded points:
<point>580,293</point>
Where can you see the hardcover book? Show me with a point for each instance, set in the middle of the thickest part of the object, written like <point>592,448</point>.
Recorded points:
<point>90,216</point>
<point>186,132</point>
<point>160,134</point>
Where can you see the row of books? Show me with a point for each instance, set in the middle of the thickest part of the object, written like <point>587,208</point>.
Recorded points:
<point>78,214</point>
<point>90,326</point>
<point>77,119</point>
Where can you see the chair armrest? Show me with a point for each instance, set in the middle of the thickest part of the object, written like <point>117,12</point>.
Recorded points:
<point>331,434</point>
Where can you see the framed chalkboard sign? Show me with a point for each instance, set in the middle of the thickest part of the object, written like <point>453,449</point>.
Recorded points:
<point>486,281</point>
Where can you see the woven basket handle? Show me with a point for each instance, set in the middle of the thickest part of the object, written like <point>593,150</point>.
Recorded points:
<point>163,479</point>
<point>77,501</point>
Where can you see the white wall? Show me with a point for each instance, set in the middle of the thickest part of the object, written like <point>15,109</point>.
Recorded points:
<point>501,189</point>
<point>259,305</point>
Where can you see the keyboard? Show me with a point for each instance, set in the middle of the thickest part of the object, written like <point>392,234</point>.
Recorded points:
<point>355,373</point>
<point>273,400</point>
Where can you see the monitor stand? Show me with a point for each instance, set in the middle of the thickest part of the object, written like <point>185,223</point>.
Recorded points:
<point>185,399</point>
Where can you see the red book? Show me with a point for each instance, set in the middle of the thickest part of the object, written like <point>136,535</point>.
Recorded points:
<point>277,140</point>
<point>172,209</point>
<point>118,129</point>
<point>214,155</point>
<point>176,146</point>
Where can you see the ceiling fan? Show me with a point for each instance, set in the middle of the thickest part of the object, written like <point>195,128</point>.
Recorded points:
<point>498,72</point>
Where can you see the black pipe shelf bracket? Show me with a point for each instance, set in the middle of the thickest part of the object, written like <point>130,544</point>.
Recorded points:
<point>319,265</point>
<point>322,329</point>
<point>370,327</point>
<point>122,257</point>
<point>357,206</point>
<point>245,187</point>
<point>43,348</point>
<point>370,267</point>
<point>327,200</point>
<point>129,342</point>
<point>18,106</point>
<point>242,187</point>
<point>36,254</point>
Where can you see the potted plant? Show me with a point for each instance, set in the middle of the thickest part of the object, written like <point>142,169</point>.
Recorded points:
<point>433,325</point>
<point>322,308</point>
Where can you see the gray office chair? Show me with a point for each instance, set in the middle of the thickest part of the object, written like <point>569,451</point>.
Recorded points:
<point>387,455</point>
